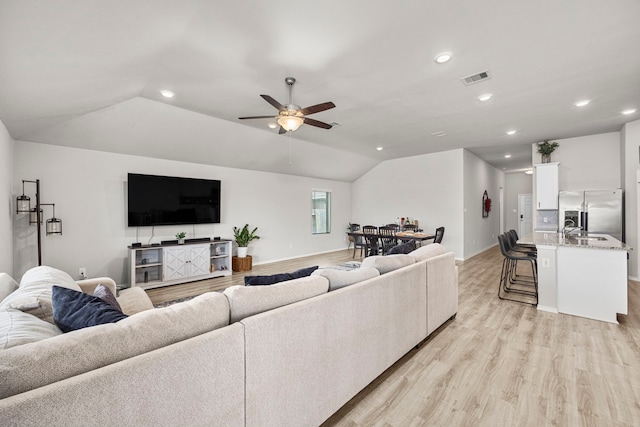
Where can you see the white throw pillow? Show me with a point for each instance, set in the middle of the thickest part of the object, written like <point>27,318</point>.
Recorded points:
<point>18,328</point>
<point>388,263</point>
<point>33,296</point>
<point>341,278</point>
<point>428,251</point>
<point>7,285</point>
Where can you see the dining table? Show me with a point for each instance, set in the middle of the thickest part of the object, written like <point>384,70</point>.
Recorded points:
<point>403,236</point>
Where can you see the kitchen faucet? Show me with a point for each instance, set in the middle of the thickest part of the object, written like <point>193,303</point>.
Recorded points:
<point>570,228</point>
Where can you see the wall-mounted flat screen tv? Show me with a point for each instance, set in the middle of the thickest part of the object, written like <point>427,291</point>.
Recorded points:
<point>170,200</point>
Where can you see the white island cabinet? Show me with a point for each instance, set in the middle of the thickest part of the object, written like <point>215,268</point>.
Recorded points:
<point>583,276</point>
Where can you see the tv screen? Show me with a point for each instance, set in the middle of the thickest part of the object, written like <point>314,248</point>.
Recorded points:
<point>169,200</point>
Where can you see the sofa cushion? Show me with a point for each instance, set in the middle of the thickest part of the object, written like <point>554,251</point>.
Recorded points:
<point>107,296</point>
<point>7,285</point>
<point>17,328</point>
<point>246,301</point>
<point>33,296</point>
<point>341,278</point>
<point>76,310</point>
<point>134,300</point>
<point>388,263</point>
<point>403,248</point>
<point>87,349</point>
<point>277,278</point>
<point>428,251</point>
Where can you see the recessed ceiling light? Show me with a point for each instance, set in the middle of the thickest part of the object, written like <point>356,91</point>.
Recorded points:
<point>485,97</point>
<point>511,132</point>
<point>582,103</point>
<point>629,111</point>
<point>167,93</point>
<point>272,125</point>
<point>506,156</point>
<point>379,148</point>
<point>443,57</point>
<point>529,172</point>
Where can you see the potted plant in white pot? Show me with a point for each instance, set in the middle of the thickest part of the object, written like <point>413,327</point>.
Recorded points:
<point>180,236</point>
<point>243,237</point>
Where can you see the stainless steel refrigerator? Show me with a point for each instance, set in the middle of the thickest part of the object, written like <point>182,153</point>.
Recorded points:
<point>595,211</point>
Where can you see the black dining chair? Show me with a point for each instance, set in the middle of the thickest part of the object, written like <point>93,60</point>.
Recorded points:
<point>439,235</point>
<point>358,240</point>
<point>371,239</point>
<point>409,227</point>
<point>388,238</point>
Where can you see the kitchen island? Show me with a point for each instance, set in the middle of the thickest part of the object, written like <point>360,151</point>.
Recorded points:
<point>581,275</point>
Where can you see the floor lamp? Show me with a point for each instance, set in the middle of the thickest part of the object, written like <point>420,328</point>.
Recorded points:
<point>23,205</point>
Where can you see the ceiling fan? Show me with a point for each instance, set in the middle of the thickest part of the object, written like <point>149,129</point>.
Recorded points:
<point>291,116</point>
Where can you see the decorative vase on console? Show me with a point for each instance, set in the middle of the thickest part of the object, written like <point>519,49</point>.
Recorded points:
<point>180,236</point>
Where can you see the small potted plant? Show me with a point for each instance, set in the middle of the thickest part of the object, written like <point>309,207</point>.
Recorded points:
<point>243,237</point>
<point>180,236</point>
<point>546,148</point>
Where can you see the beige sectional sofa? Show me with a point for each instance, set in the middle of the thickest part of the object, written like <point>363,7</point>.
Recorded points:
<point>289,354</point>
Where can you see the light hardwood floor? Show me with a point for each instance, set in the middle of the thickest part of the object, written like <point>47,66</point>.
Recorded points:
<point>501,363</point>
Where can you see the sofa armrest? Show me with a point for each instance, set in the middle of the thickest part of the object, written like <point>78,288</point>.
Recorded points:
<point>89,285</point>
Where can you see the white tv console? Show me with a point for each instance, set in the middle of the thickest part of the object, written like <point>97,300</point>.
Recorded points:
<point>152,266</point>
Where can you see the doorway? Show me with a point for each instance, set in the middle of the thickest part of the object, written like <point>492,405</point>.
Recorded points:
<point>525,214</point>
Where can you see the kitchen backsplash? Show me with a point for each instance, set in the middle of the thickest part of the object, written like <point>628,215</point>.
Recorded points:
<point>546,220</point>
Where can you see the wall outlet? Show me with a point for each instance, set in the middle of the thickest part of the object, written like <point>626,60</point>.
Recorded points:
<point>82,272</point>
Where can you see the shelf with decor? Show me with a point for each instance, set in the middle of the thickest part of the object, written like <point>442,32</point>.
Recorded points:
<point>169,264</point>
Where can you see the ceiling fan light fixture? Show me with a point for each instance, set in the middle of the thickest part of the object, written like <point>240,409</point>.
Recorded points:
<point>290,123</point>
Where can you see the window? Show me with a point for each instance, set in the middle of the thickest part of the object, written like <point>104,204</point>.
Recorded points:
<point>320,212</point>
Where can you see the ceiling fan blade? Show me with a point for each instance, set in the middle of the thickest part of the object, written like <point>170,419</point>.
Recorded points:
<point>282,130</point>
<point>316,123</point>
<point>257,117</point>
<point>273,102</point>
<point>317,108</point>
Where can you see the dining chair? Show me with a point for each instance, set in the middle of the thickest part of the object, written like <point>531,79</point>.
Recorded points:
<point>439,235</point>
<point>371,237</point>
<point>409,227</point>
<point>388,238</point>
<point>358,240</point>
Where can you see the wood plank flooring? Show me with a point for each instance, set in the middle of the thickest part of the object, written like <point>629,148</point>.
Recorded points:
<point>498,363</point>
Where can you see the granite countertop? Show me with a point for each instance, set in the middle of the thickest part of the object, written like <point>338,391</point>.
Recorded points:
<point>592,240</point>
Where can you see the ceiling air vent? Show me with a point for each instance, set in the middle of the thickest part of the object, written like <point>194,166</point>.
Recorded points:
<point>476,78</point>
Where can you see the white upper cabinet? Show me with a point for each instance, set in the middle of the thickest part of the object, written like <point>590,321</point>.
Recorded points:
<point>547,186</point>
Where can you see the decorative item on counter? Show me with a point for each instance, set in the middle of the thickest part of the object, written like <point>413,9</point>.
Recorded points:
<point>180,236</point>
<point>243,237</point>
<point>546,148</point>
<point>486,204</point>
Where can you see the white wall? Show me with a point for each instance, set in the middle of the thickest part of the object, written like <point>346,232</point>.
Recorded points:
<point>89,190</point>
<point>480,232</point>
<point>587,162</point>
<point>630,146</point>
<point>427,188</point>
<point>515,183</point>
<point>6,195</point>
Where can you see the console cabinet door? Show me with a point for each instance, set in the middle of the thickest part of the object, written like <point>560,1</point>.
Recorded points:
<point>199,260</point>
<point>176,264</point>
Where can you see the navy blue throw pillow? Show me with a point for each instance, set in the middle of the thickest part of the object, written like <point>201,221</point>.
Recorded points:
<point>277,278</point>
<point>403,248</point>
<point>76,310</point>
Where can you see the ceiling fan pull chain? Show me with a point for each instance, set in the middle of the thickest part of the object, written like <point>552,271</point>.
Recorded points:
<point>290,162</point>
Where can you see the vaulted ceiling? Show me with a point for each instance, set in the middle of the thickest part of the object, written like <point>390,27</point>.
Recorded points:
<point>87,74</point>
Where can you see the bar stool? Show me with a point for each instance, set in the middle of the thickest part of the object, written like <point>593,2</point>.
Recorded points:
<point>513,283</point>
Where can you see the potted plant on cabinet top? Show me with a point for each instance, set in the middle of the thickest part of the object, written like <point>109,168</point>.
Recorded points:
<point>180,236</point>
<point>243,237</point>
<point>546,148</point>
